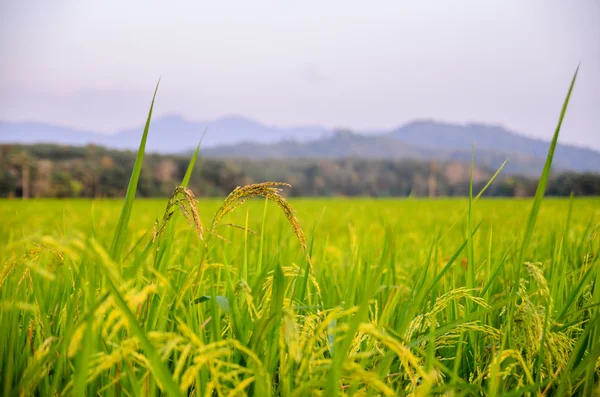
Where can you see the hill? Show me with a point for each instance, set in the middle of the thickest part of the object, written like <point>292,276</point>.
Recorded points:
<point>240,137</point>
<point>495,140</point>
<point>344,144</point>
<point>170,134</point>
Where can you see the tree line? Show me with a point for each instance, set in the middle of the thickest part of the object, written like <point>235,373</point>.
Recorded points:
<point>93,171</point>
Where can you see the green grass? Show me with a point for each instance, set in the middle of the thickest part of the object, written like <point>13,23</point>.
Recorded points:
<point>60,320</point>
<point>362,297</point>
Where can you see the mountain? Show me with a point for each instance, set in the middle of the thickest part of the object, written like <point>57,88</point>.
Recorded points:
<point>169,134</point>
<point>430,140</point>
<point>174,134</point>
<point>338,145</point>
<point>240,137</point>
<point>344,144</point>
<point>28,133</point>
<point>494,139</point>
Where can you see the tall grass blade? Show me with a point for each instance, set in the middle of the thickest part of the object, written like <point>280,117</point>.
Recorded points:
<point>188,173</point>
<point>119,237</point>
<point>537,201</point>
<point>541,188</point>
<point>158,367</point>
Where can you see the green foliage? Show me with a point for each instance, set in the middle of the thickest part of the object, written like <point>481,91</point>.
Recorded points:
<point>56,309</point>
<point>103,172</point>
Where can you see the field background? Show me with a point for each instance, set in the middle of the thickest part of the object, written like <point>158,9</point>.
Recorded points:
<point>412,222</point>
<point>371,260</point>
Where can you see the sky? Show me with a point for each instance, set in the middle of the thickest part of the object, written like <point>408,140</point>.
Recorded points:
<point>361,65</point>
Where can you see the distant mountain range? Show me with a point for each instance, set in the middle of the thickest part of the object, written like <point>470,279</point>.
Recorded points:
<point>168,134</point>
<point>245,138</point>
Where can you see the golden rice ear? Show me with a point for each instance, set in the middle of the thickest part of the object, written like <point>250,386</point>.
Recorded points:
<point>182,198</point>
<point>269,190</point>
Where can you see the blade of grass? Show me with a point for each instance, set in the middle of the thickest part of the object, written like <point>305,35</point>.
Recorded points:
<point>262,239</point>
<point>537,201</point>
<point>541,188</point>
<point>157,366</point>
<point>192,163</point>
<point>119,238</point>
<point>491,180</point>
<point>470,249</point>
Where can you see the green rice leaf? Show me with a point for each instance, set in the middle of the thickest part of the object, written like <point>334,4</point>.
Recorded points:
<point>188,173</point>
<point>119,237</point>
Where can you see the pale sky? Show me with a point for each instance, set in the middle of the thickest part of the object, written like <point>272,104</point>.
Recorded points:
<point>361,65</point>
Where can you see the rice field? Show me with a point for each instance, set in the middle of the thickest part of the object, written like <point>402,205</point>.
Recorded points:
<point>383,308</point>
<point>255,295</point>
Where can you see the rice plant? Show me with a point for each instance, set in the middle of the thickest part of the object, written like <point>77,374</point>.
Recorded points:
<point>374,298</point>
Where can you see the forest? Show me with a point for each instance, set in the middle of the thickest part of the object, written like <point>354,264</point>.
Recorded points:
<point>47,170</point>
